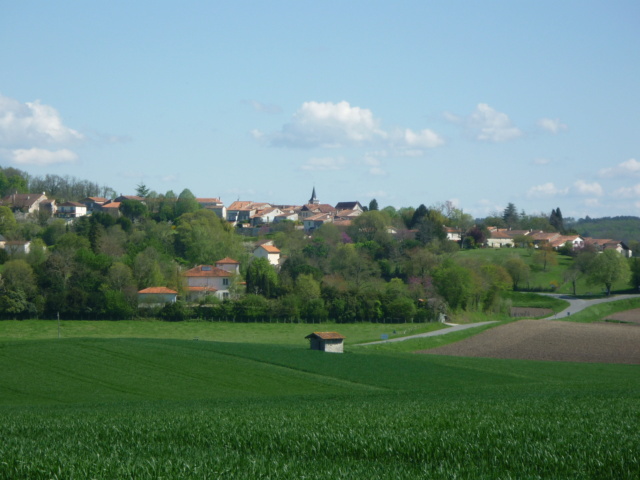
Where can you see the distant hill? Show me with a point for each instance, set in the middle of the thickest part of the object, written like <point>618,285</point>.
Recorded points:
<point>625,228</point>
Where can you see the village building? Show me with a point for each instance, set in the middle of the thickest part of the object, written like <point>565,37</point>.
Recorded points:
<point>156,297</point>
<point>71,210</point>
<point>24,203</point>
<point>215,205</point>
<point>94,203</point>
<point>326,341</point>
<point>270,252</point>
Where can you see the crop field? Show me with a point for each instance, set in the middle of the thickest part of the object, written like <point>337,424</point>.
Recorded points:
<point>160,408</point>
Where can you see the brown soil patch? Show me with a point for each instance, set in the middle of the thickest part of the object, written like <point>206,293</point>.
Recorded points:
<point>629,316</point>
<point>552,340</point>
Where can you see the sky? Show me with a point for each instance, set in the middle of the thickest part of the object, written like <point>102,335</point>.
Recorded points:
<point>481,103</point>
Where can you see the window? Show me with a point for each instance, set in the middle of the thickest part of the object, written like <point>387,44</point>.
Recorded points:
<point>225,281</point>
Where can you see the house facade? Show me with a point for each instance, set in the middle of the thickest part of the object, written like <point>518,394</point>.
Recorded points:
<point>71,210</point>
<point>215,279</point>
<point>270,252</point>
<point>331,342</point>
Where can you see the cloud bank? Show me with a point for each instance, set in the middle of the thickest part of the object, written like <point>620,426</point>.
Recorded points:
<point>340,125</point>
<point>486,124</point>
<point>30,133</point>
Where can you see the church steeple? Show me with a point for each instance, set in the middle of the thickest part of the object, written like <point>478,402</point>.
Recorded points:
<point>313,200</point>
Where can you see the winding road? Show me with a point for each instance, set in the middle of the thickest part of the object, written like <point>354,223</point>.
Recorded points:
<point>575,305</point>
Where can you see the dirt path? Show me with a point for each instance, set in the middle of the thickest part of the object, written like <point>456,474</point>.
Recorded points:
<point>578,304</point>
<point>444,331</point>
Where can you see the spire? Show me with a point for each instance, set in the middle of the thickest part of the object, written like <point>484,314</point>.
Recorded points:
<point>313,200</point>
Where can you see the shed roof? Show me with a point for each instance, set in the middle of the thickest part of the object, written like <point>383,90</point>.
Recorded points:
<point>326,336</point>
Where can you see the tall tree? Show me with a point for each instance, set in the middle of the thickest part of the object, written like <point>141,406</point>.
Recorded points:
<point>510,216</point>
<point>608,268</point>
<point>373,205</point>
<point>142,190</point>
<point>262,278</point>
<point>186,203</point>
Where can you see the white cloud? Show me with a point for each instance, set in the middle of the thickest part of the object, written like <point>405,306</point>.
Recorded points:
<point>324,164</point>
<point>541,161</point>
<point>552,125</point>
<point>333,125</point>
<point>627,192</point>
<point>423,139</point>
<point>264,107</point>
<point>583,188</point>
<point>374,166</point>
<point>30,124</point>
<point>486,124</point>
<point>629,167</point>
<point>41,156</point>
<point>546,190</point>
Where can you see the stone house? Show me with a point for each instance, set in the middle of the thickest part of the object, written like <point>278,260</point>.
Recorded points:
<point>326,341</point>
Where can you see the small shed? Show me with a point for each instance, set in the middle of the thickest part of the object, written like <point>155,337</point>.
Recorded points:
<point>326,341</point>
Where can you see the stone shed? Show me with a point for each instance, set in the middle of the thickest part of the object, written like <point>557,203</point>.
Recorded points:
<point>326,341</point>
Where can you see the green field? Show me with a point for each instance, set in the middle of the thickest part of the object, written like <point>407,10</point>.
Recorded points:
<point>175,408</point>
<point>541,280</point>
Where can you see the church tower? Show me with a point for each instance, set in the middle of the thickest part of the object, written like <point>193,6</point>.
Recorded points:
<point>313,200</point>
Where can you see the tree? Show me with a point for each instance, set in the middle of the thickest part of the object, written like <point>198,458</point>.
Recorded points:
<point>186,203</point>
<point>518,270</point>
<point>545,255</point>
<point>510,216</point>
<point>578,268</point>
<point>634,266</point>
<point>556,221</point>
<point>7,220</point>
<point>133,209</point>
<point>454,283</point>
<point>373,205</point>
<point>262,278</point>
<point>608,268</point>
<point>142,190</point>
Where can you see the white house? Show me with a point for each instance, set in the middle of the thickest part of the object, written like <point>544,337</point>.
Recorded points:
<point>215,280</point>
<point>316,221</point>
<point>270,252</point>
<point>71,210</point>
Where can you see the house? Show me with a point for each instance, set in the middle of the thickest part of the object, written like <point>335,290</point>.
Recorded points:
<point>229,265</point>
<point>498,239</point>
<point>576,241</point>
<point>215,279</point>
<point>94,203</point>
<point>49,205</point>
<point>316,221</point>
<point>602,244</point>
<point>240,212</point>
<point>326,341</point>
<point>156,297</point>
<point>71,210</point>
<point>310,210</point>
<point>112,208</point>
<point>14,247</point>
<point>453,234</point>
<point>24,202</point>
<point>270,252</point>
<point>215,205</point>
<point>265,216</point>
<point>349,206</point>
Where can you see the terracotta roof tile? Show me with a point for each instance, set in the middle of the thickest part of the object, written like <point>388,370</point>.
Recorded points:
<point>157,290</point>
<point>207,271</point>
<point>326,335</point>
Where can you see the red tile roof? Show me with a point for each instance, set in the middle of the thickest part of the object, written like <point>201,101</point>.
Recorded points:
<point>270,248</point>
<point>227,260</point>
<point>207,271</point>
<point>202,289</point>
<point>157,290</point>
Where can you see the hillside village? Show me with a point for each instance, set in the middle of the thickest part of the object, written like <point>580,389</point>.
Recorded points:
<point>294,257</point>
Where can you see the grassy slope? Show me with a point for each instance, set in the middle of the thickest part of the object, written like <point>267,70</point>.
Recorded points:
<point>282,333</point>
<point>541,279</point>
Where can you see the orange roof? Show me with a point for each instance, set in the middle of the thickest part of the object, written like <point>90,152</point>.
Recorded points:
<point>157,290</point>
<point>240,205</point>
<point>202,289</point>
<point>227,260</point>
<point>326,335</point>
<point>111,205</point>
<point>270,248</point>
<point>207,271</point>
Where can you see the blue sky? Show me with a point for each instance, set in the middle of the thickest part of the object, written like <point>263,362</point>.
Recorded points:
<point>409,102</point>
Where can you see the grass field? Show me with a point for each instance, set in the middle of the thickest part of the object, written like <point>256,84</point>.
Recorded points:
<point>541,279</point>
<point>167,408</point>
